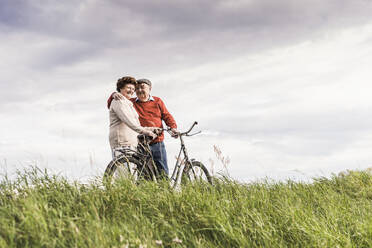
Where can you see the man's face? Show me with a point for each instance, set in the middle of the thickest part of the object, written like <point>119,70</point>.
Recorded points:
<point>143,92</point>
<point>128,90</point>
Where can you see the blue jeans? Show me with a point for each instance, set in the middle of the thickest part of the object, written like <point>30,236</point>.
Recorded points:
<point>159,155</point>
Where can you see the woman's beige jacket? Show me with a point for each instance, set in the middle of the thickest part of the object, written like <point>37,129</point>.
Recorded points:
<point>124,124</point>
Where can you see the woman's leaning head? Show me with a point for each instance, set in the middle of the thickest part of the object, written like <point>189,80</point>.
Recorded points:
<point>126,86</point>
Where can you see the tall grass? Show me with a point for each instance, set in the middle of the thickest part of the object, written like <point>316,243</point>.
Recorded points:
<point>41,210</point>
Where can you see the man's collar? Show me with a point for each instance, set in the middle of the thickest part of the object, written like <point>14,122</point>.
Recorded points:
<point>150,99</point>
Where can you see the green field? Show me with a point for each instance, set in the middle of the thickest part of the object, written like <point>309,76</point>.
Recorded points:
<point>41,210</point>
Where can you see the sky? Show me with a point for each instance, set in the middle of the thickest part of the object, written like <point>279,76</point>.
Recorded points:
<point>281,88</point>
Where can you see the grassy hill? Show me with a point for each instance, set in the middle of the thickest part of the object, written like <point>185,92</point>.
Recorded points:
<point>40,210</point>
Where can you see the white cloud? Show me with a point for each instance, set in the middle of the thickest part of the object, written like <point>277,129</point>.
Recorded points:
<point>281,95</point>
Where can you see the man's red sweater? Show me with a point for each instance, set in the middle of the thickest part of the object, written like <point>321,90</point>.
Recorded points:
<point>151,114</point>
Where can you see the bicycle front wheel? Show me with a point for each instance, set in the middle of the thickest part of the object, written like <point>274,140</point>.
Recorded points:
<point>195,171</point>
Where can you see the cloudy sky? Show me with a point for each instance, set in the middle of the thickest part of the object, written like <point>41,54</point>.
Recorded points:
<point>283,88</point>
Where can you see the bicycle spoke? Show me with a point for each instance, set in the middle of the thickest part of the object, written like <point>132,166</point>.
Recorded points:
<point>125,171</point>
<point>195,172</point>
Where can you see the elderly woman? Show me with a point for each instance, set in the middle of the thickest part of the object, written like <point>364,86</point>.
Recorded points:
<point>124,123</point>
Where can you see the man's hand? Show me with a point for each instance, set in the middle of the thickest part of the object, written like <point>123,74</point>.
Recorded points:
<point>117,96</point>
<point>174,133</point>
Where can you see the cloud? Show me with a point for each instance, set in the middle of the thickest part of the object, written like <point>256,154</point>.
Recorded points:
<point>176,34</point>
<point>279,85</point>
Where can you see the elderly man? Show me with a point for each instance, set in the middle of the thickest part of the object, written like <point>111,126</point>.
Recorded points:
<point>152,112</point>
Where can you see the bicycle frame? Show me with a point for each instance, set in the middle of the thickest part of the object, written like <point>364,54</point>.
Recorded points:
<point>180,164</point>
<point>144,155</point>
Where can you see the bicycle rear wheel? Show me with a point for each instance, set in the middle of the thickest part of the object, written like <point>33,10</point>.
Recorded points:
<point>195,171</point>
<point>127,167</point>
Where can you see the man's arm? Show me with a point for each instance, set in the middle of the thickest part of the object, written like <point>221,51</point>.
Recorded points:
<point>168,119</point>
<point>166,116</point>
<point>110,100</point>
<point>116,96</point>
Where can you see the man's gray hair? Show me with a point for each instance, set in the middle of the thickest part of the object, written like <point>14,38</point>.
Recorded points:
<point>144,81</point>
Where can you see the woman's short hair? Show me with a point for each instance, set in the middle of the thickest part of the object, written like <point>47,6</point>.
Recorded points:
<point>124,81</point>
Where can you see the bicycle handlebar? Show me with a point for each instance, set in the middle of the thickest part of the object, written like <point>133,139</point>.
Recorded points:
<point>187,132</point>
<point>184,133</point>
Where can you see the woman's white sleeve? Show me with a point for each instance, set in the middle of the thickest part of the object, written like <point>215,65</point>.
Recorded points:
<point>122,110</point>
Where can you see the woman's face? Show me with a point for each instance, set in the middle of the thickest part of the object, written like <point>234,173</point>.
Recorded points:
<point>128,90</point>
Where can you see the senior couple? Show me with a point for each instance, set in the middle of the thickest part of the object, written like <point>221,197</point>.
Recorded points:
<point>143,114</point>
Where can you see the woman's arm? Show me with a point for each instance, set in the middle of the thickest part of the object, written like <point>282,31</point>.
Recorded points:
<point>122,109</point>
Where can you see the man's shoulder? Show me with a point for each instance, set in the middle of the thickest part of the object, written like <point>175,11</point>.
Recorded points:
<point>157,99</point>
<point>154,100</point>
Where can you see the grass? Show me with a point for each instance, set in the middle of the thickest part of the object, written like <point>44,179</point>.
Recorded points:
<point>41,210</point>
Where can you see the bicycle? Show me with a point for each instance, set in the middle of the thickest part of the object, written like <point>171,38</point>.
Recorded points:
<point>139,164</point>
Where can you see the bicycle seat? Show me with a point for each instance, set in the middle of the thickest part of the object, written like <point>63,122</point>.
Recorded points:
<point>123,150</point>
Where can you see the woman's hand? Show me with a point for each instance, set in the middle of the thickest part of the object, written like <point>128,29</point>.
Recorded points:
<point>149,133</point>
<point>155,130</point>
